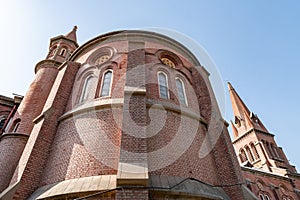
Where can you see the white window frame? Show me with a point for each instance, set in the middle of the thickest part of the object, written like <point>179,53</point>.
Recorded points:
<point>110,84</point>
<point>84,88</point>
<point>159,85</point>
<point>183,89</point>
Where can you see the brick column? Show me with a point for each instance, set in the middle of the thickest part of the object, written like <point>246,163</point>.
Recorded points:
<point>133,168</point>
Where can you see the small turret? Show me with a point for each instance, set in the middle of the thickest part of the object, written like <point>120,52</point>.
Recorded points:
<point>61,47</point>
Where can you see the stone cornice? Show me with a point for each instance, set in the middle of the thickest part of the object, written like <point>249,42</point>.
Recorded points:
<point>253,170</point>
<point>108,103</point>
<point>64,38</point>
<point>46,63</point>
<point>7,135</point>
<point>250,131</point>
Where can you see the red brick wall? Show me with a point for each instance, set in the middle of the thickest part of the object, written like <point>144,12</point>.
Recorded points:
<point>35,98</point>
<point>270,185</point>
<point>88,141</point>
<point>32,161</point>
<point>11,148</point>
<point>77,151</point>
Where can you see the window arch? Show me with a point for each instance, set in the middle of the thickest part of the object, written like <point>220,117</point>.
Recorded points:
<point>86,89</point>
<point>254,151</point>
<point>53,51</point>
<point>181,91</point>
<point>284,197</point>
<point>15,126</point>
<point>243,156</point>
<point>267,197</point>
<point>273,147</point>
<point>271,153</point>
<point>163,85</point>
<point>106,83</point>
<point>63,51</point>
<point>264,196</point>
<point>250,155</point>
<point>2,121</point>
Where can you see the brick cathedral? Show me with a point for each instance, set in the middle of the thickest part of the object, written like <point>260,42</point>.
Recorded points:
<point>132,115</point>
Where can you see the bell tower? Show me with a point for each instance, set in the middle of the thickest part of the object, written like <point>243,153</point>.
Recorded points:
<point>254,144</point>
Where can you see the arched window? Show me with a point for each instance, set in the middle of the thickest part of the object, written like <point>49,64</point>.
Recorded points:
<point>86,89</point>
<point>243,155</point>
<point>53,51</point>
<point>163,85</point>
<point>181,91</point>
<point>286,198</point>
<point>250,155</point>
<point>274,150</point>
<point>2,121</point>
<point>63,51</point>
<point>271,153</point>
<point>106,83</point>
<point>261,197</point>
<point>15,126</point>
<point>254,150</point>
<point>267,197</point>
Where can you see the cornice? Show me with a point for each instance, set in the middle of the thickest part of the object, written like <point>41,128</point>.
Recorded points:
<point>46,63</point>
<point>250,131</point>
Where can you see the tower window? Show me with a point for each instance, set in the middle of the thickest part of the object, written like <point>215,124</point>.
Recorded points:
<point>254,150</point>
<point>86,89</point>
<point>106,83</point>
<point>163,85</point>
<point>250,155</point>
<point>243,155</point>
<point>273,147</point>
<point>63,51</point>
<point>181,91</point>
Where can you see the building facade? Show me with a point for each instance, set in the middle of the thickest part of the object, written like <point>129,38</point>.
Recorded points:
<point>126,115</point>
<point>122,116</point>
<point>267,171</point>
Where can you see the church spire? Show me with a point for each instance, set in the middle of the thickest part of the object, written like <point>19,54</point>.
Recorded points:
<point>244,120</point>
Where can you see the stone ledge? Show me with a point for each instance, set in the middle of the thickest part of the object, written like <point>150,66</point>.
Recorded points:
<point>79,185</point>
<point>6,135</point>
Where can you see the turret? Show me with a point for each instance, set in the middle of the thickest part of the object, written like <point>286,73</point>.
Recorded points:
<point>19,126</point>
<point>61,47</point>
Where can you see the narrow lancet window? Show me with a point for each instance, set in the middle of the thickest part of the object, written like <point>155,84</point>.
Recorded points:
<point>106,84</point>
<point>86,90</point>
<point>163,85</point>
<point>181,91</point>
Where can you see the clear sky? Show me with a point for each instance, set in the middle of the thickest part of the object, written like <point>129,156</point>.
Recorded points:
<point>255,45</point>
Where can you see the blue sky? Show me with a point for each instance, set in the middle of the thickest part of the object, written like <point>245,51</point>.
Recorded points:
<point>255,45</point>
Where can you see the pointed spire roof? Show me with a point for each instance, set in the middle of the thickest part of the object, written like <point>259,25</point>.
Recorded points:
<point>244,119</point>
<point>234,130</point>
<point>238,105</point>
<point>72,35</point>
